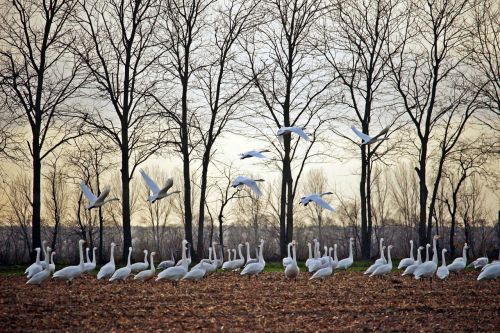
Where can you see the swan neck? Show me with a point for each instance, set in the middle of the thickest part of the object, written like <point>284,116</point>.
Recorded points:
<point>435,254</point>
<point>419,255</point>
<point>310,251</point>
<point>152,262</point>
<point>411,251</point>
<point>464,254</point>
<point>146,258</point>
<point>350,249</point>
<point>443,259</point>
<point>389,261</point>
<point>128,259</point>
<point>38,256</point>
<point>239,251</point>
<point>248,251</point>
<point>288,248</point>
<point>112,255</point>
<point>80,246</point>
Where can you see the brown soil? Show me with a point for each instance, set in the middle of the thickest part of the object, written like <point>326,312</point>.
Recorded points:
<point>347,301</point>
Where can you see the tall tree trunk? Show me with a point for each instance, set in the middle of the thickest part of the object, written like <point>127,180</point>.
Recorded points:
<point>423,193</point>
<point>101,237</point>
<point>37,171</point>
<point>127,231</point>
<point>365,241</point>
<point>369,217</point>
<point>221,231</point>
<point>203,192</point>
<point>283,215</point>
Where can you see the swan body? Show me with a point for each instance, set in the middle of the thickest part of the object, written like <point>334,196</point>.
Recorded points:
<point>490,272</point>
<point>257,267</point>
<point>253,153</point>
<point>71,272</point>
<point>407,261</point>
<point>147,274</point>
<point>381,260</point>
<point>443,272</point>
<point>317,199</point>
<point>288,260</point>
<point>326,271</point>
<point>227,265</point>
<point>250,259</point>
<point>309,258</point>
<point>39,277</point>
<point>368,140</point>
<point>36,267</point>
<point>237,263</point>
<point>347,262</point>
<point>157,193</point>
<point>188,258</point>
<point>428,268</point>
<point>375,265</point>
<point>94,201</point>
<point>107,270</point>
<point>141,266</point>
<point>167,263</point>
<point>459,264</point>
<point>384,269</point>
<point>292,270</point>
<point>89,266</point>
<point>195,274</point>
<point>45,254</point>
<point>411,269</point>
<point>479,262</point>
<point>292,129</point>
<point>121,274</point>
<point>174,274</point>
<point>251,183</point>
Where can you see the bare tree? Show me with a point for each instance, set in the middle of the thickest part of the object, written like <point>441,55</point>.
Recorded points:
<point>120,52</point>
<point>424,66</point>
<point>39,77</point>
<point>356,47</point>
<point>292,89</point>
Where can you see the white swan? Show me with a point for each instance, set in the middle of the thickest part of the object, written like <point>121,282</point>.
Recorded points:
<point>174,274</point>
<point>89,266</point>
<point>167,263</point>
<point>326,271</point>
<point>317,198</point>
<point>251,183</point>
<point>309,258</point>
<point>368,140</point>
<point>156,192</point>
<point>253,153</point>
<point>335,261</point>
<point>492,271</point>
<point>256,268</point>
<point>227,264</point>
<point>384,269</point>
<point>443,272</point>
<point>249,258</point>
<point>121,274</point>
<point>479,262</point>
<point>288,260</point>
<point>195,274</point>
<point>493,262</point>
<point>205,263</point>
<point>325,259</point>
<point>188,258</point>
<point>381,260</point>
<point>52,265</point>
<point>107,270</point>
<point>94,201</point>
<point>45,254</point>
<point>407,261</point>
<point>347,262</point>
<point>141,266</point>
<point>36,267</point>
<point>236,264</point>
<point>71,272</point>
<point>147,274</point>
<point>39,277</point>
<point>428,268</point>
<point>315,263</point>
<point>459,263</point>
<point>292,129</point>
<point>292,270</point>
<point>375,265</point>
<point>411,269</point>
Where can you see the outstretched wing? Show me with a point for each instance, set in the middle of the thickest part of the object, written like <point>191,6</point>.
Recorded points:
<point>87,192</point>
<point>151,184</point>
<point>300,132</point>
<point>322,203</point>
<point>168,184</point>
<point>258,154</point>
<point>104,193</point>
<point>362,135</point>
<point>253,186</point>
<point>382,133</point>
<point>239,180</point>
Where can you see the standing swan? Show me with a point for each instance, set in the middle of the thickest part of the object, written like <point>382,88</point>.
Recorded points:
<point>442,271</point>
<point>36,267</point>
<point>459,263</point>
<point>71,272</point>
<point>407,261</point>
<point>256,268</point>
<point>384,268</point>
<point>52,265</point>
<point>167,263</point>
<point>292,270</point>
<point>39,277</point>
<point>411,269</point>
<point>149,273</point>
<point>249,259</point>
<point>373,267</point>
<point>174,274</point>
<point>326,271</point>
<point>107,270</point>
<point>89,266</point>
<point>140,266</point>
<point>288,260</point>
<point>347,262</point>
<point>428,268</point>
<point>122,273</point>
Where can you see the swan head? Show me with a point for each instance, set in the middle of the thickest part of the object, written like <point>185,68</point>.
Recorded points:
<point>280,132</point>
<point>81,241</point>
<point>37,249</point>
<point>130,249</point>
<point>436,237</point>
<point>383,248</point>
<point>411,241</point>
<point>334,246</point>
<point>95,248</point>
<point>153,254</point>
<point>145,251</point>
<point>247,243</point>
<point>428,245</point>
<point>390,247</point>
<point>49,249</point>
<point>315,240</point>
<point>420,248</point>
<point>44,242</point>
<point>351,239</point>
<point>113,244</point>
<point>466,246</point>
<point>445,250</point>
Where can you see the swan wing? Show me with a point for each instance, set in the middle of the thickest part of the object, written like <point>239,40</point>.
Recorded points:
<point>382,133</point>
<point>361,135</point>
<point>168,184</point>
<point>104,194</point>
<point>149,182</point>
<point>87,192</point>
<point>322,203</point>
<point>106,271</point>
<point>254,187</point>
<point>299,132</point>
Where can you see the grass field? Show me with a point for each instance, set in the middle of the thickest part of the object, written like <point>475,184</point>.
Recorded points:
<point>226,301</point>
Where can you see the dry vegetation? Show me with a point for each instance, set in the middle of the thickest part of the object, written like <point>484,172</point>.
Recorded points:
<point>227,302</point>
